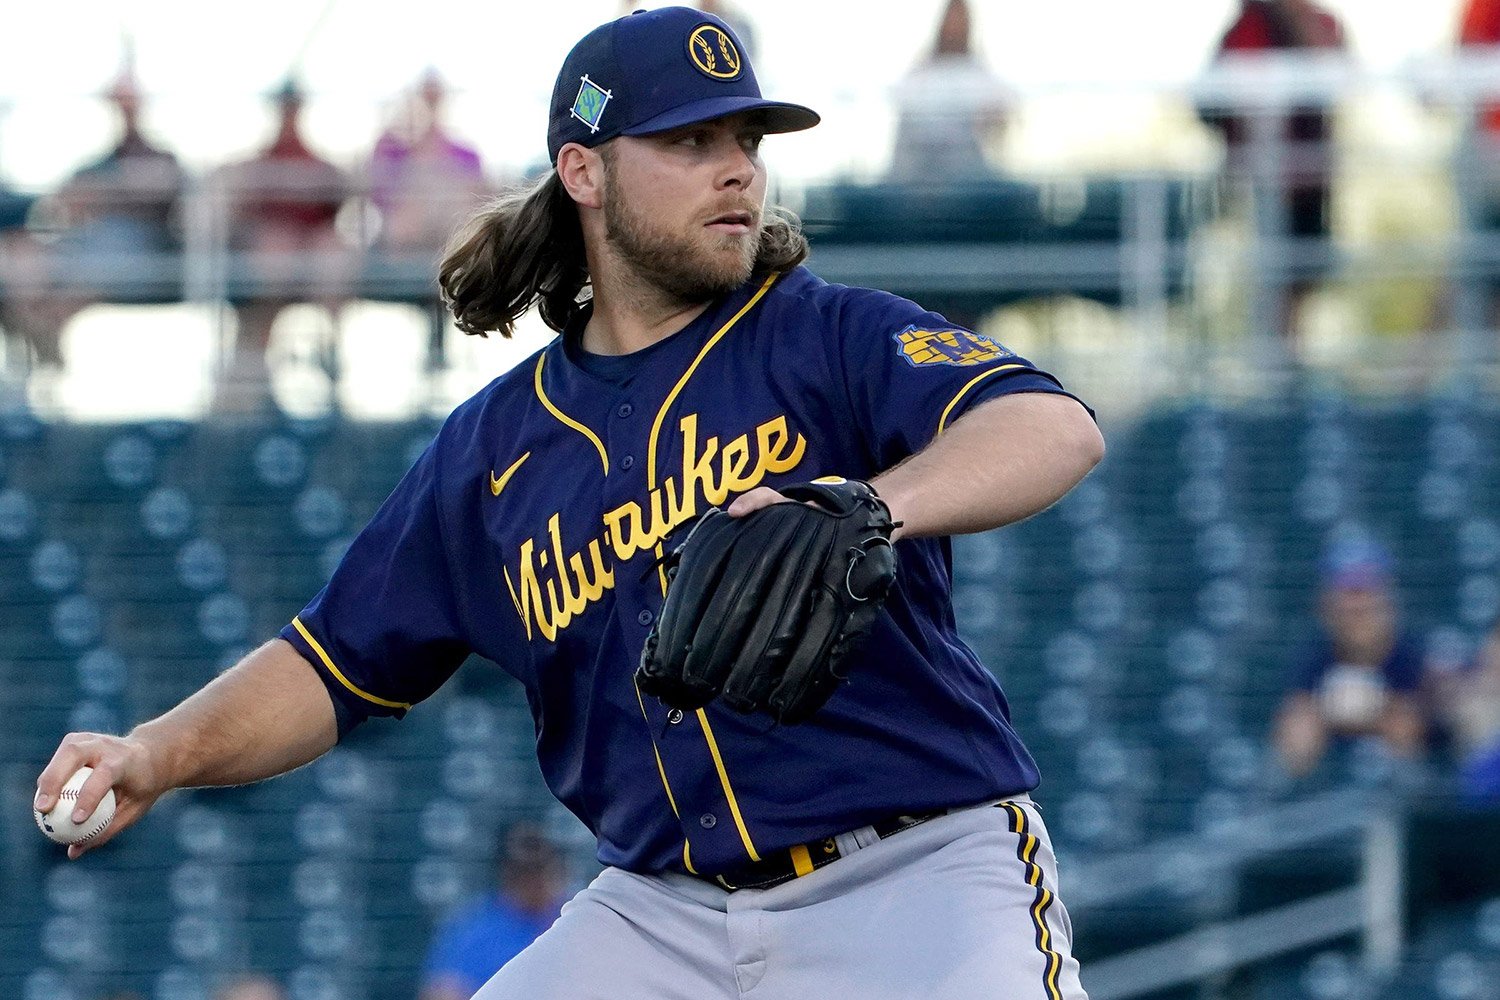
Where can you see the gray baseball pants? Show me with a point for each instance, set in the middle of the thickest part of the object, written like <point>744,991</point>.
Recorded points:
<point>961,907</point>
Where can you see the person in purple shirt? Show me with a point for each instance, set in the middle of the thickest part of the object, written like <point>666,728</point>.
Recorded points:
<point>472,944</point>
<point>423,180</point>
<point>1360,675</point>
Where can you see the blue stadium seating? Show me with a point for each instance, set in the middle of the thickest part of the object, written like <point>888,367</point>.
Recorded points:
<point>1141,628</point>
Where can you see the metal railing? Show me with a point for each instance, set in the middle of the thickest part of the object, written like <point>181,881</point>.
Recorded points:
<point>1371,908</point>
<point>1192,265</point>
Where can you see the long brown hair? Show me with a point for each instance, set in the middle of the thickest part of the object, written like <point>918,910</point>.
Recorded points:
<point>526,247</point>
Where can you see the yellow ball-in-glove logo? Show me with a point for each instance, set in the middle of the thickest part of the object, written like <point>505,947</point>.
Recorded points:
<point>948,347</point>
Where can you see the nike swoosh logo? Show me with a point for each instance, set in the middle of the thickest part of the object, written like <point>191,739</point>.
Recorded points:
<point>498,484</point>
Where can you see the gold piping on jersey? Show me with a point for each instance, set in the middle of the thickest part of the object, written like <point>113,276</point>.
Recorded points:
<point>734,807</point>
<point>1026,851</point>
<point>671,801</point>
<point>339,674</point>
<point>672,396</point>
<point>943,420</point>
<point>560,415</point>
<point>661,414</point>
<point>687,859</point>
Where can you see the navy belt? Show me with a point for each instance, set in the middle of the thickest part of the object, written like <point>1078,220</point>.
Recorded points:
<point>803,859</point>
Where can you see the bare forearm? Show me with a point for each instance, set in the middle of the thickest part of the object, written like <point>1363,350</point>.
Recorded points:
<point>1002,462</point>
<point>268,714</point>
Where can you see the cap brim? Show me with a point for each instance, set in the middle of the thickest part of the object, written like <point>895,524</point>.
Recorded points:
<point>779,116</point>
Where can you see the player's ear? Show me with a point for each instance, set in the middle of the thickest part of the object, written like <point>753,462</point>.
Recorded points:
<point>581,171</point>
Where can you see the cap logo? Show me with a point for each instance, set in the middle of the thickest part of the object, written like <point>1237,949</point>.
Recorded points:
<point>588,106</point>
<point>713,52</point>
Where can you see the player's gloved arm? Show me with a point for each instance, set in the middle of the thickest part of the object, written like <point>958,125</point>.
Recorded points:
<point>1003,461</point>
<point>1007,459</point>
<point>267,715</point>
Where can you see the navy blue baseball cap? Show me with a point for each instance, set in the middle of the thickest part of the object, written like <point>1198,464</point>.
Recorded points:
<point>656,70</point>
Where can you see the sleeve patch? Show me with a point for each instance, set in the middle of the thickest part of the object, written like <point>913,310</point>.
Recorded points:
<point>963,348</point>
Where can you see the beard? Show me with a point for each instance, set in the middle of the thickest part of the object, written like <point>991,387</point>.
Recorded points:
<point>682,269</point>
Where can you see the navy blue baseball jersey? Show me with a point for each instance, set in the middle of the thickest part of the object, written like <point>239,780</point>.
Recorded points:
<point>527,532</point>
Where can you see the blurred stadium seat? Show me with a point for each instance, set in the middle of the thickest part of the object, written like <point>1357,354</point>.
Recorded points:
<point>1141,628</point>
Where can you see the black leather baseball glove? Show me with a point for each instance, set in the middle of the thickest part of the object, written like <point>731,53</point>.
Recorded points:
<point>761,610</point>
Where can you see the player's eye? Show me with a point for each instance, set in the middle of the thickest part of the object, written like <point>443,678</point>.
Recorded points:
<point>752,141</point>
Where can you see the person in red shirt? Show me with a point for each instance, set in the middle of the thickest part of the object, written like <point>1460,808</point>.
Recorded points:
<point>1302,186</point>
<point>281,206</point>
<point>1477,171</point>
<point>1480,29</point>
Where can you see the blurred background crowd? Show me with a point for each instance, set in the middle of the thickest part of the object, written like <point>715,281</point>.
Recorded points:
<point>1257,654</point>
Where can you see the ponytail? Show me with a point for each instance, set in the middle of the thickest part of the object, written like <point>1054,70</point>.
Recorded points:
<point>523,247</point>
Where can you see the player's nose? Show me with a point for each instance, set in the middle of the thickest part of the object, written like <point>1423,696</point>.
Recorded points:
<point>737,166</point>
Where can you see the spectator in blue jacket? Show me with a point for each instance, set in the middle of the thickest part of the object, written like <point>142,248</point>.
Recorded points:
<point>471,945</point>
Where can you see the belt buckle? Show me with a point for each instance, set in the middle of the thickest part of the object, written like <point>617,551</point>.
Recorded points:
<point>782,868</point>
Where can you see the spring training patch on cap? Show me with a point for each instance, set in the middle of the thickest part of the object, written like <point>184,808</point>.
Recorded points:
<point>588,106</point>
<point>713,52</point>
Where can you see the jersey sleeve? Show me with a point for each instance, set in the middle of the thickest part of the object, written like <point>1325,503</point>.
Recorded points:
<point>910,373</point>
<point>384,632</point>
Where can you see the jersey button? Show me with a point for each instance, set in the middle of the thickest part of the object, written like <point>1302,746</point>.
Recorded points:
<point>644,618</point>
<point>708,821</point>
<point>627,462</point>
<point>674,716</point>
<point>625,410</point>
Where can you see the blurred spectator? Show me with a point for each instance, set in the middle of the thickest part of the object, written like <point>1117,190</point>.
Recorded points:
<point>1473,710</point>
<point>422,180</point>
<point>1295,202</point>
<point>250,987</point>
<point>1361,675</point>
<point>15,245</point>
<point>737,19</point>
<point>726,12</point>
<point>475,942</point>
<point>1478,166</point>
<point>115,219</point>
<point>948,108</point>
<point>282,206</point>
<point>14,208</point>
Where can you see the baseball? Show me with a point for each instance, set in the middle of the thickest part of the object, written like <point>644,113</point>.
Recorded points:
<point>57,822</point>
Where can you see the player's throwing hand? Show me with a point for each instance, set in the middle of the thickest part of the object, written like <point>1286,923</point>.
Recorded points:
<point>119,763</point>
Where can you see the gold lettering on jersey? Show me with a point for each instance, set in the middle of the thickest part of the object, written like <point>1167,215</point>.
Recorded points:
<point>552,591</point>
<point>569,590</point>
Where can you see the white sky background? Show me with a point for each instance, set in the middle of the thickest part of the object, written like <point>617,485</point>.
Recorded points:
<point>205,66</point>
